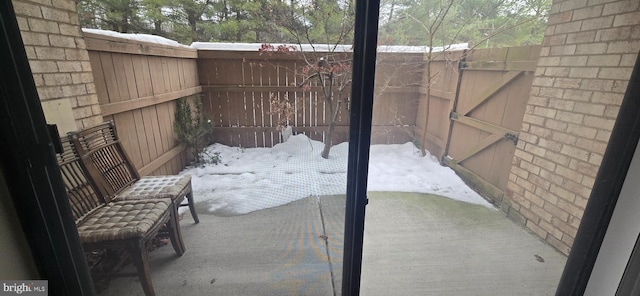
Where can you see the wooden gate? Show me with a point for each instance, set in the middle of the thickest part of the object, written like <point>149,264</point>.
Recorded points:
<point>487,115</point>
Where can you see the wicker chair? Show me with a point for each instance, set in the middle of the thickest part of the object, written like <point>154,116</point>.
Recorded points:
<point>116,175</point>
<point>126,225</point>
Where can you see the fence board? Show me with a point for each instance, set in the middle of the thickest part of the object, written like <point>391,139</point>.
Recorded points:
<point>172,71</point>
<point>171,111</point>
<point>110,79</point>
<point>166,74</point>
<point>143,139</point>
<point>495,113</point>
<point>162,112</point>
<point>98,77</point>
<point>155,71</point>
<point>152,131</point>
<point>121,78</point>
<point>182,81</point>
<point>142,75</point>
<point>129,75</point>
<point>124,122</point>
<point>190,73</point>
<point>225,108</point>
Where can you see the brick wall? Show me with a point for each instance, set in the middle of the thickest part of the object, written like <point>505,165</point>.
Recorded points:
<point>58,57</point>
<point>587,56</point>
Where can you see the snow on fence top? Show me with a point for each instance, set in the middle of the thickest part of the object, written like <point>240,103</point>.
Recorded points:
<point>322,47</point>
<point>225,46</point>
<point>421,49</point>
<point>136,37</point>
<point>256,46</point>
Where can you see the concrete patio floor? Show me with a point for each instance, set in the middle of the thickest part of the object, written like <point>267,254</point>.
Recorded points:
<point>415,244</point>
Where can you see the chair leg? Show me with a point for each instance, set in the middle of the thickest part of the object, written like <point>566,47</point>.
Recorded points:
<point>140,258</point>
<point>192,208</point>
<point>175,234</point>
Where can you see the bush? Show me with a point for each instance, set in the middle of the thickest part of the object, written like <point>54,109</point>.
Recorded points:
<point>192,127</point>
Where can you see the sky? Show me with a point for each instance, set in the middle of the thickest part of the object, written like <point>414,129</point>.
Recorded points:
<point>251,179</point>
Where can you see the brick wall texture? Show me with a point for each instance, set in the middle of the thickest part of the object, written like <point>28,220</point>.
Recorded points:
<point>587,55</point>
<point>57,55</point>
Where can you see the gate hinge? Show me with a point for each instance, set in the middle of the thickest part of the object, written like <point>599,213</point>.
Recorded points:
<point>453,115</point>
<point>511,137</point>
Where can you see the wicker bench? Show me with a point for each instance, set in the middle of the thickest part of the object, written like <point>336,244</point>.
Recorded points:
<point>116,176</point>
<point>126,225</point>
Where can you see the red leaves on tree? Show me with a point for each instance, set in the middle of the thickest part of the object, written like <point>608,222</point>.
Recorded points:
<point>270,49</point>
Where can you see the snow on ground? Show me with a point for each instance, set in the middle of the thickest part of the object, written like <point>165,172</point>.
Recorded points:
<point>251,179</point>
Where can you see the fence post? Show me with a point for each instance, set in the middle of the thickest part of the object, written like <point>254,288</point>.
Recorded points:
<point>438,100</point>
<point>460,65</point>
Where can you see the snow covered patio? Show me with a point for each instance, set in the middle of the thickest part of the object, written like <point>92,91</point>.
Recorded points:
<point>272,222</point>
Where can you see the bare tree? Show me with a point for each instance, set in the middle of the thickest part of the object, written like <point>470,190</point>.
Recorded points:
<point>320,29</point>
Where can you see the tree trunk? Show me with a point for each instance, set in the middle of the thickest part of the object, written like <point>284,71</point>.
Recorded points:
<point>238,21</point>
<point>225,11</point>
<point>423,141</point>
<point>192,20</point>
<point>328,141</point>
<point>157,26</point>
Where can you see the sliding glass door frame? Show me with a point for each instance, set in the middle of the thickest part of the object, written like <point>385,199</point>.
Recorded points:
<point>363,76</point>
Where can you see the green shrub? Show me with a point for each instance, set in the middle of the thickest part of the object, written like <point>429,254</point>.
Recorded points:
<point>192,127</point>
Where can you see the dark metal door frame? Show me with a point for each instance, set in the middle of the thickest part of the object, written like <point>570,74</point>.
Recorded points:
<point>364,63</point>
<point>630,283</point>
<point>31,171</point>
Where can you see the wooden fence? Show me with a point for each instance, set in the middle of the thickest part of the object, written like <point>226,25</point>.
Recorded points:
<point>137,84</point>
<point>469,116</point>
<point>237,86</point>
